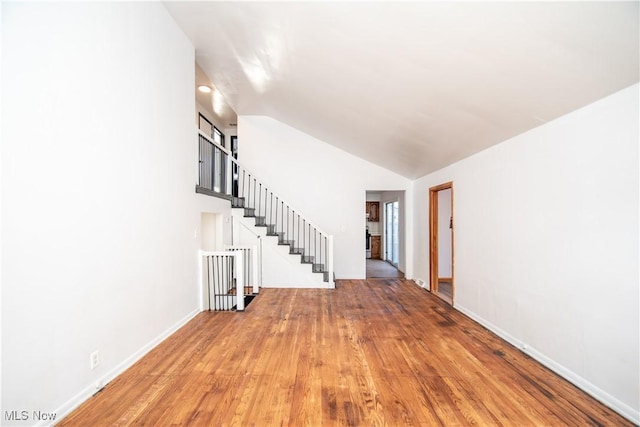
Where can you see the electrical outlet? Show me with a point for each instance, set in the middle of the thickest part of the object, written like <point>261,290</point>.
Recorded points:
<point>94,359</point>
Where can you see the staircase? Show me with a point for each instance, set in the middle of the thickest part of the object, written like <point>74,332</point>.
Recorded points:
<point>294,252</point>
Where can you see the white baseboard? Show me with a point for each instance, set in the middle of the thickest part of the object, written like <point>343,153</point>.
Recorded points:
<point>596,392</point>
<point>350,277</point>
<point>89,391</point>
<point>421,283</point>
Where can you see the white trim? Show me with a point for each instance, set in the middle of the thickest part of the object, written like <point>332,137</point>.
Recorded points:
<point>254,269</point>
<point>351,277</point>
<point>620,407</point>
<point>208,138</point>
<point>89,391</point>
<point>201,285</point>
<point>332,284</point>
<point>239,270</point>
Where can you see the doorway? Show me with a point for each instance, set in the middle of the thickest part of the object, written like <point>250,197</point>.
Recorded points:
<point>391,235</point>
<point>441,265</point>
<point>385,234</point>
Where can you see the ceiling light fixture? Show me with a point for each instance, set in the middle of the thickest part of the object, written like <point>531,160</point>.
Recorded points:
<point>204,89</point>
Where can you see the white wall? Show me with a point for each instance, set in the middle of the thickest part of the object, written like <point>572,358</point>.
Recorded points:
<point>444,233</point>
<point>323,183</point>
<point>211,231</point>
<point>546,244</point>
<point>228,133</point>
<point>100,221</point>
<point>201,110</point>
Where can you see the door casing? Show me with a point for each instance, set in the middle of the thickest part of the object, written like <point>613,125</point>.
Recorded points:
<point>433,238</point>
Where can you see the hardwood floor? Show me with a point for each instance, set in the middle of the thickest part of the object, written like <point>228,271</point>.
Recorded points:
<point>377,268</point>
<point>374,352</point>
<point>445,291</point>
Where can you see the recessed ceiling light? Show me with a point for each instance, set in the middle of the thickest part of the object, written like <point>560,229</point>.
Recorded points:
<point>204,89</point>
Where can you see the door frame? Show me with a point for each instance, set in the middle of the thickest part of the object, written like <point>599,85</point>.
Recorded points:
<point>387,257</point>
<point>433,238</point>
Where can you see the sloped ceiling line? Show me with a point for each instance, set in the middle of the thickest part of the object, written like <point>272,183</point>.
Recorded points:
<point>413,86</point>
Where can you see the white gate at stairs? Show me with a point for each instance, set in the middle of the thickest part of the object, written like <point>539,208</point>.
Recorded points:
<point>228,276</point>
<point>222,272</point>
<point>251,276</point>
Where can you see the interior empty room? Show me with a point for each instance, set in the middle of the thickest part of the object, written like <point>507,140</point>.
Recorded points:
<point>320,213</point>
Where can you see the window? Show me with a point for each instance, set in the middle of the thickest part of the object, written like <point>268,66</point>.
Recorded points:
<point>218,137</point>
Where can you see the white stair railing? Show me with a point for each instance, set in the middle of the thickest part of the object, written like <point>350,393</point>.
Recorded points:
<point>250,266</point>
<point>223,276</point>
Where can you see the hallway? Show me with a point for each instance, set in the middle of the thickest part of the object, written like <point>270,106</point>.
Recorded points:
<point>379,269</point>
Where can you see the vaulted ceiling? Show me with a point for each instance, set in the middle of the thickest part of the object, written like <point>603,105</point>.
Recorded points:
<point>413,86</point>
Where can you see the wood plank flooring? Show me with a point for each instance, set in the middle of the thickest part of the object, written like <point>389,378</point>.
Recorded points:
<point>445,291</point>
<point>374,352</point>
<point>377,269</point>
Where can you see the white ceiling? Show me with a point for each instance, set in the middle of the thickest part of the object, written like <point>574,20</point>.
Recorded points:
<point>214,102</point>
<point>413,86</point>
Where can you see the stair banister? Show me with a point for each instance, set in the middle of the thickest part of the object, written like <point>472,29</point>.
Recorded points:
<point>280,200</point>
<point>216,177</point>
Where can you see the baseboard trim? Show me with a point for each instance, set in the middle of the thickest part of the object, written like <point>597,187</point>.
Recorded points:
<point>89,391</point>
<point>580,382</point>
<point>423,284</point>
<point>350,277</point>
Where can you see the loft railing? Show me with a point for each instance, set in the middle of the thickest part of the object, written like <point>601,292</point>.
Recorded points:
<point>213,163</point>
<point>232,181</point>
